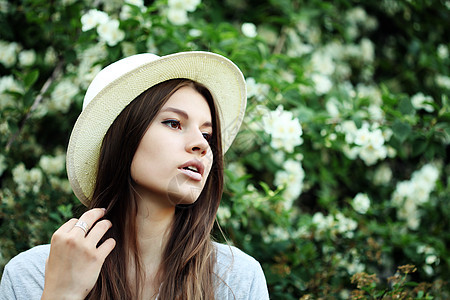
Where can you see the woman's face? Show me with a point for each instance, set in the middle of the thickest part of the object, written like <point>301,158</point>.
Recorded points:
<point>173,159</point>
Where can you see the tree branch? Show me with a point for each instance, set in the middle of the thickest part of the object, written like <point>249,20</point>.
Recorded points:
<point>36,102</point>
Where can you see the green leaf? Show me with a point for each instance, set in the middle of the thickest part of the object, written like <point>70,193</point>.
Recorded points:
<point>31,78</point>
<point>419,147</point>
<point>406,108</point>
<point>401,130</point>
<point>28,98</point>
<point>411,283</point>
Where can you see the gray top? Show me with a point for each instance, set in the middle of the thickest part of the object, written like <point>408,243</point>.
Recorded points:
<point>241,275</point>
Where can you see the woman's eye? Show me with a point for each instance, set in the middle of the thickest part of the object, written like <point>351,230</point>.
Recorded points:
<point>207,136</point>
<point>173,124</point>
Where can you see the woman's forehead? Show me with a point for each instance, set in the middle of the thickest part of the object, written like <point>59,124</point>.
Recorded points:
<point>188,102</point>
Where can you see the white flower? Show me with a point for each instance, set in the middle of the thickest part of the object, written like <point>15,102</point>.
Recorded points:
<point>284,128</point>
<point>128,48</point>
<point>345,225</point>
<point>52,165</point>
<point>186,5</point>
<point>387,134</point>
<point>350,152</point>
<point>371,92</point>
<point>176,4</point>
<point>8,83</point>
<point>383,175</point>
<point>191,5</point>
<point>3,164</point>
<point>322,223</point>
<point>322,83</point>
<point>27,58</point>
<point>356,15</point>
<point>375,112</point>
<point>177,16</point>
<point>419,102</point>
<point>297,47</point>
<point>442,51</point>
<point>110,32</point>
<point>410,194</point>
<point>88,66</point>
<point>361,203</point>
<point>332,107</point>
<point>68,2</point>
<point>362,135</point>
<point>251,86</point>
<point>443,81</point>
<point>223,213</point>
<point>257,90</point>
<point>151,46</point>
<point>93,18</point>
<point>4,128</point>
<point>349,128</point>
<point>50,56</point>
<point>429,270</point>
<point>138,3</point>
<point>291,177</point>
<point>249,30</point>
<point>93,54</point>
<point>27,180</point>
<point>370,154</point>
<point>278,233</point>
<point>125,13</point>
<point>367,50</point>
<point>237,169</point>
<point>431,259</point>
<point>62,96</point>
<point>322,63</point>
<point>8,53</point>
<point>4,6</point>
<point>428,174</point>
<point>369,143</point>
<point>195,32</point>
<point>405,189</point>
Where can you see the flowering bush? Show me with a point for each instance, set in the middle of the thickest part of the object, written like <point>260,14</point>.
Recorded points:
<point>340,168</point>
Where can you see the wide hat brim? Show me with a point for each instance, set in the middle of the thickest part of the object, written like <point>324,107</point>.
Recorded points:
<point>113,89</point>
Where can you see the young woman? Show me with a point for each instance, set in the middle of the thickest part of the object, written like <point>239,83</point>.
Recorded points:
<point>146,157</point>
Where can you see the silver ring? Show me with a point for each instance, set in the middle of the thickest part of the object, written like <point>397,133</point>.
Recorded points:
<point>82,225</point>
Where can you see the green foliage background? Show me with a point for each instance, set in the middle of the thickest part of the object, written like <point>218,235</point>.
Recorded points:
<point>379,66</point>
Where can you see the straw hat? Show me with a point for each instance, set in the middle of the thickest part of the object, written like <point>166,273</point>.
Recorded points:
<point>118,84</point>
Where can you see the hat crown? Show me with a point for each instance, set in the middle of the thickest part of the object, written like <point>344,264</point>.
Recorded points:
<point>114,71</point>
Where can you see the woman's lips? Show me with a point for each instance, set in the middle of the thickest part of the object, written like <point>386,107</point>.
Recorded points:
<point>191,174</point>
<point>193,169</point>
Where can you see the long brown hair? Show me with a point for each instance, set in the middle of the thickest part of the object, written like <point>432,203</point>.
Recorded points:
<point>187,268</point>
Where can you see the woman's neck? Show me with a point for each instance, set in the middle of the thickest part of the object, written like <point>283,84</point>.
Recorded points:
<point>153,224</point>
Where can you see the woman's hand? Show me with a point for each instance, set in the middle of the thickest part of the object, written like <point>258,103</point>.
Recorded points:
<point>75,262</point>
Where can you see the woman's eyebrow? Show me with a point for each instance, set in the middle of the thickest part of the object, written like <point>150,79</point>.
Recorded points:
<point>177,111</point>
<point>184,114</point>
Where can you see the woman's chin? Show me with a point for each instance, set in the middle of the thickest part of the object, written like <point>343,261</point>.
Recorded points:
<point>183,192</point>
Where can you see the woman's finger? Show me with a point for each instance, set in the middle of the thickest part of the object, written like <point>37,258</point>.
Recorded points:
<point>68,226</point>
<point>88,219</point>
<point>105,248</point>
<point>98,231</point>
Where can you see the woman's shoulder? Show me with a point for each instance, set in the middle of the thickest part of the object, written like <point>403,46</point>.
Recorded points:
<point>32,257</point>
<point>23,276</point>
<point>240,275</point>
<point>228,254</point>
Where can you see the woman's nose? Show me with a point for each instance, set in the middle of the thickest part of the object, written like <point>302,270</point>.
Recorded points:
<point>197,143</point>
